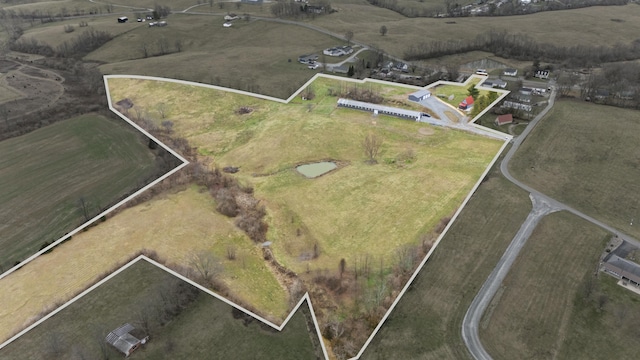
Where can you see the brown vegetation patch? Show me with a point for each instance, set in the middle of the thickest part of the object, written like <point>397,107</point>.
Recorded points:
<point>426,131</point>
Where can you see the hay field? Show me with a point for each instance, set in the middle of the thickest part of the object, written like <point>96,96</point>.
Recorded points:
<point>245,56</point>
<point>175,226</point>
<point>206,326</point>
<point>44,174</point>
<point>564,27</point>
<point>531,315</point>
<point>346,212</point>
<point>587,156</point>
<point>426,322</point>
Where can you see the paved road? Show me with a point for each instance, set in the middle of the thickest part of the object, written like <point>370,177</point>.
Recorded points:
<point>480,303</point>
<point>542,205</point>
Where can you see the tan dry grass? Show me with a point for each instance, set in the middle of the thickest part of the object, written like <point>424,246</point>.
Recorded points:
<point>174,226</point>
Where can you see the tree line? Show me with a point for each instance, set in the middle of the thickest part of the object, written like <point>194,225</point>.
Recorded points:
<point>523,47</point>
<point>88,41</point>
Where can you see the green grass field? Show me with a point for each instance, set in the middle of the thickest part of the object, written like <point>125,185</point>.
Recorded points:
<point>531,315</point>
<point>206,326</point>
<point>426,322</point>
<point>586,155</point>
<point>355,200</point>
<point>45,173</point>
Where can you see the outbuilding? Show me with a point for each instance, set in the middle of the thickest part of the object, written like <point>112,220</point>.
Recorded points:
<point>419,95</point>
<point>122,339</point>
<point>504,119</point>
<point>123,19</point>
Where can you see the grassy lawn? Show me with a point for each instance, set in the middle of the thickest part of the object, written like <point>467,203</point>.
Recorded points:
<point>204,327</point>
<point>335,212</point>
<point>586,155</point>
<point>175,226</point>
<point>426,322</point>
<point>45,173</point>
<point>459,93</point>
<point>531,315</point>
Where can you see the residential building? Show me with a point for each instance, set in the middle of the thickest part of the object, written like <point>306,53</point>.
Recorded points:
<point>504,119</point>
<point>510,72</point>
<point>467,103</point>
<point>419,95</point>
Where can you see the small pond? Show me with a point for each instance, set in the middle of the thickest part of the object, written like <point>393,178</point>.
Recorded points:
<point>316,169</point>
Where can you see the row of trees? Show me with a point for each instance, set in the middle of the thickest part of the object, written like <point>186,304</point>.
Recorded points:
<point>88,41</point>
<point>522,47</point>
<point>291,8</point>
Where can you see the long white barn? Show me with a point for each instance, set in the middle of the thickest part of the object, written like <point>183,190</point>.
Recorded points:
<point>381,109</point>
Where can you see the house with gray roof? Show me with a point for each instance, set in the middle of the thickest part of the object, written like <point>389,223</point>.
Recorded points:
<point>622,269</point>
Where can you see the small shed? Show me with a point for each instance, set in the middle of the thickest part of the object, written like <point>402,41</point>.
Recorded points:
<point>419,95</point>
<point>504,119</point>
<point>122,339</point>
<point>123,19</point>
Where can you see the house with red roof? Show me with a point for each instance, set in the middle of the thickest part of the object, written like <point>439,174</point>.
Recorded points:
<point>504,119</point>
<point>466,104</point>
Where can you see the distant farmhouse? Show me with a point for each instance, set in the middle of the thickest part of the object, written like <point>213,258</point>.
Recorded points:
<point>122,339</point>
<point>338,51</point>
<point>466,104</point>
<point>231,17</point>
<point>510,72</point>
<point>541,74</point>
<point>308,59</point>
<point>495,83</point>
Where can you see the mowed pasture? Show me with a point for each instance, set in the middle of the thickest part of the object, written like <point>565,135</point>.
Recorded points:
<point>562,28</point>
<point>531,315</point>
<point>205,326</point>
<point>45,174</point>
<point>246,56</point>
<point>426,322</point>
<point>175,226</point>
<point>343,214</point>
<point>587,156</point>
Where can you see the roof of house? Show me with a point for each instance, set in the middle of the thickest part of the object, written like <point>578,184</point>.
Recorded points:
<point>468,101</point>
<point>121,339</point>
<point>510,70</point>
<point>504,119</point>
<point>421,93</point>
<point>499,82</point>
<point>626,268</point>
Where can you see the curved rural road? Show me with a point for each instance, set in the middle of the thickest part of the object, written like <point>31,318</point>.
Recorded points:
<point>542,205</point>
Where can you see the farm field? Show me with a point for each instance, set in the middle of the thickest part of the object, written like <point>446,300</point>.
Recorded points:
<point>45,174</point>
<point>563,28</point>
<point>175,226</point>
<point>205,326</point>
<point>426,322</point>
<point>539,305</point>
<point>244,56</point>
<point>254,142</point>
<point>601,142</point>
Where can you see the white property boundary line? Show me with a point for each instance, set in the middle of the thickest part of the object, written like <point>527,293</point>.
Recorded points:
<point>306,297</point>
<point>109,210</point>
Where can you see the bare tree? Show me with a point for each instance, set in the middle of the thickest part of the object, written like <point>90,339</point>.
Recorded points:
<point>84,207</point>
<point>348,35</point>
<point>231,252</point>
<point>178,45</point>
<point>343,266</point>
<point>205,265</point>
<point>145,49</point>
<point>162,110</point>
<point>163,45</point>
<point>371,145</point>
<point>383,30</point>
